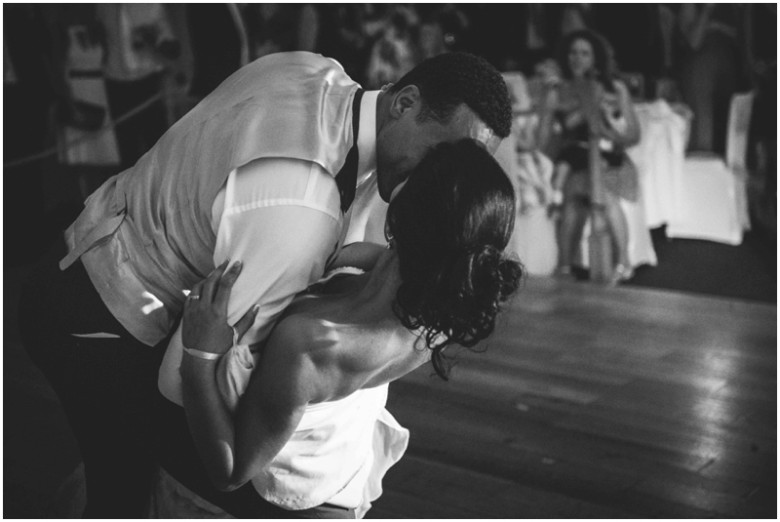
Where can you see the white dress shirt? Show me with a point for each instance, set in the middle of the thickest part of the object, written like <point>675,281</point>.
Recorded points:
<point>282,219</point>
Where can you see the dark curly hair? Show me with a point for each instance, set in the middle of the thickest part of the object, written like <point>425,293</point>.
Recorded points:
<point>450,225</point>
<point>604,64</point>
<point>447,80</point>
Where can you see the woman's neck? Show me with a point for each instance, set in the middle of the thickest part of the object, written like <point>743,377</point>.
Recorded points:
<point>382,281</point>
<point>366,298</point>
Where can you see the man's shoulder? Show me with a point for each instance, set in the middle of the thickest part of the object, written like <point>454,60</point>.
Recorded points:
<point>298,58</point>
<point>286,181</point>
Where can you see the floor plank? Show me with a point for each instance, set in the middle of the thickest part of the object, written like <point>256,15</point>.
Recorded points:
<point>586,403</point>
<point>614,403</point>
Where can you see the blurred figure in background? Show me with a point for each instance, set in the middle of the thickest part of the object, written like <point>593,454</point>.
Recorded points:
<point>574,17</point>
<point>589,84</point>
<point>709,72</point>
<point>634,31</point>
<point>342,35</point>
<point>441,29</point>
<point>393,54</point>
<point>539,36</point>
<point>431,38</point>
<point>87,145</point>
<point>761,32</point>
<point>530,171</point>
<point>139,42</point>
<point>275,28</point>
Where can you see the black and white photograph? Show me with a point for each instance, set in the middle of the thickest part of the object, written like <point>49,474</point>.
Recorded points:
<point>388,261</point>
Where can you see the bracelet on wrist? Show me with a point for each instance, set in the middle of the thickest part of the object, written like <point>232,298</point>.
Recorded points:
<point>199,354</point>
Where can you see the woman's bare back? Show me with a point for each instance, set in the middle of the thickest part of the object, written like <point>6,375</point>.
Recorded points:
<point>355,342</point>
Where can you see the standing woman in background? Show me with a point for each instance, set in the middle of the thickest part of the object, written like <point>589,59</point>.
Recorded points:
<point>709,70</point>
<point>586,57</point>
<point>139,42</point>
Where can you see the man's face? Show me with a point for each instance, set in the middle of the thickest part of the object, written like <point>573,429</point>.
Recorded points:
<point>405,139</point>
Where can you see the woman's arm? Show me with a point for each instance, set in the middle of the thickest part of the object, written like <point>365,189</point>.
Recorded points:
<point>273,404</point>
<point>236,449</point>
<point>630,134</point>
<point>547,116</point>
<point>361,254</point>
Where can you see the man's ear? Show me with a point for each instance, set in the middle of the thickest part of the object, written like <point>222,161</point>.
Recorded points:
<point>406,99</point>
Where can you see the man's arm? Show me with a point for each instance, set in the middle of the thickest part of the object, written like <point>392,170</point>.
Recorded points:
<point>281,219</point>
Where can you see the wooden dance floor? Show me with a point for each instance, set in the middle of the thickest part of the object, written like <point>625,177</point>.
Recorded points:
<point>597,403</point>
<point>587,403</point>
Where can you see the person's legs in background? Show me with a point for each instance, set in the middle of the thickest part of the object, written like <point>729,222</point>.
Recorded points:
<point>106,383</point>
<point>725,74</point>
<point>574,215</point>
<point>618,226</point>
<point>708,80</point>
<point>697,91</point>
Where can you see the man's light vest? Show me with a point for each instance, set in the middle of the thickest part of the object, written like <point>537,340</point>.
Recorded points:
<point>146,234</point>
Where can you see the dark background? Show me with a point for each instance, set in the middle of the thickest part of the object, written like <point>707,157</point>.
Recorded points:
<point>43,195</point>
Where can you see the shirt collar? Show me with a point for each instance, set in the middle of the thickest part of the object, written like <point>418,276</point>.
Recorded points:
<point>367,135</point>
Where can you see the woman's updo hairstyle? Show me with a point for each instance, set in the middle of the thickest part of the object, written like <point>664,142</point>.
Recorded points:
<point>450,225</point>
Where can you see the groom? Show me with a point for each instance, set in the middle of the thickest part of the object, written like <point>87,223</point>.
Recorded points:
<point>265,169</point>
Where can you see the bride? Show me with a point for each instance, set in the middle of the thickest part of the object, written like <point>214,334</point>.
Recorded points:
<point>310,432</point>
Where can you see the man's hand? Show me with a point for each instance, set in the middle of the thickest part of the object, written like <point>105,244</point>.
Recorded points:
<point>205,325</point>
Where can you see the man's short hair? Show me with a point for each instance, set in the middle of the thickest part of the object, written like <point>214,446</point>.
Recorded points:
<point>447,80</point>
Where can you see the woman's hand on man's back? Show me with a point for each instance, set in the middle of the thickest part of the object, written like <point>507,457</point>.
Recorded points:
<point>204,324</point>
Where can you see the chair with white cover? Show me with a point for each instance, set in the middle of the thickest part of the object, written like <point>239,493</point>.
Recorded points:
<point>711,202</point>
<point>530,172</point>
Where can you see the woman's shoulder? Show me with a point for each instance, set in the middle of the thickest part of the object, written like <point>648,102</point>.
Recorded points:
<point>315,333</point>
<point>344,358</point>
<point>296,330</point>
